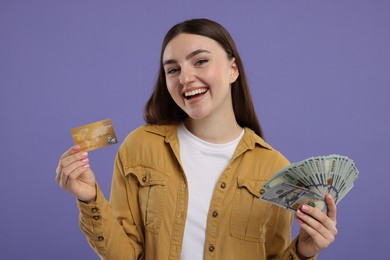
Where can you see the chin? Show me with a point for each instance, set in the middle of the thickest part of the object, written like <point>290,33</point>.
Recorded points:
<point>197,116</point>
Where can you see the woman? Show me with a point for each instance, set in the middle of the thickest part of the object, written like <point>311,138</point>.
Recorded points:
<point>186,185</point>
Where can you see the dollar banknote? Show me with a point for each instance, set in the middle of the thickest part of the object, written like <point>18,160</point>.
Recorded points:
<point>308,181</point>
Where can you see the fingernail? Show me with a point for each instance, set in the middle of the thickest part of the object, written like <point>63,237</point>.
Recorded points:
<point>76,147</point>
<point>305,207</point>
<point>84,154</point>
<point>86,166</point>
<point>85,160</point>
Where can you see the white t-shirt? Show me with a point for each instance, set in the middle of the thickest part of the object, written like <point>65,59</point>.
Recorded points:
<point>203,163</point>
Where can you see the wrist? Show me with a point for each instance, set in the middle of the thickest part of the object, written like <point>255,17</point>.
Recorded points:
<point>298,252</point>
<point>91,197</point>
<point>88,201</point>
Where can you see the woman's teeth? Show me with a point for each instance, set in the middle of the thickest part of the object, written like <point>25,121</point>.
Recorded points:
<point>194,92</point>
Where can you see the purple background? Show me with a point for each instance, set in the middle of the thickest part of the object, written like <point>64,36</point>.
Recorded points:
<point>319,73</point>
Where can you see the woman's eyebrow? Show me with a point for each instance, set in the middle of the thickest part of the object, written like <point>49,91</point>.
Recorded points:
<point>189,56</point>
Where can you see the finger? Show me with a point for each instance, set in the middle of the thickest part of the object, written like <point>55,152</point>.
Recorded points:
<point>67,157</point>
<point>317,220</point>
<point>321,217</point>
<point>69,164</point>
<point>332,209</point>
<point>66,161</point>
<point>73,171</point>
<point>74,149</point>
<point>320,240</point>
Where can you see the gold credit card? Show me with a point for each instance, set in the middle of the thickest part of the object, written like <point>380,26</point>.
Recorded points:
<point>94,135</point>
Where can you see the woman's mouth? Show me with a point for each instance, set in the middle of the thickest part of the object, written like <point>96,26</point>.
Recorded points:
<point>194,93</point>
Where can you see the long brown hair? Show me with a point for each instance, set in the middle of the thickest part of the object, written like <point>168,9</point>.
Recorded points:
<point>162,109</point>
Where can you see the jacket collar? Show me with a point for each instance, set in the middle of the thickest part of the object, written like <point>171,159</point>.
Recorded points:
<point>249,140</point>
<point>167,131</point>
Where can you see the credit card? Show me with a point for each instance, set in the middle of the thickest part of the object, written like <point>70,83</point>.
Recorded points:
<point>95,135</point>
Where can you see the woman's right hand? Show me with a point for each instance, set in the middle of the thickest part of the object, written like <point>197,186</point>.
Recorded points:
<point>74,175</point>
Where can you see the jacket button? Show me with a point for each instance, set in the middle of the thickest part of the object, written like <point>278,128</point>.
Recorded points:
<point>96,217</point>
<point>262,191</point>
<point>223,185</point>
<point>144,179</point>
<point>94,210</point>
<point>215,214</point>
<point>211,248</point>
<point>290,257</point>
<point>100,238</point>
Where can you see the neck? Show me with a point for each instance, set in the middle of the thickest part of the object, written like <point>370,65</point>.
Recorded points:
<point>214,131</point>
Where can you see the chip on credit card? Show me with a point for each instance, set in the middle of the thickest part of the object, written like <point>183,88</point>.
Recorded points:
<point>95,135</point>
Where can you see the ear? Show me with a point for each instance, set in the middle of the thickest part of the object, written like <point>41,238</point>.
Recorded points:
<point>234,71</point>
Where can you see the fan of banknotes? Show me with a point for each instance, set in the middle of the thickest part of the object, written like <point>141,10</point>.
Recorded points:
<point>308,181</point>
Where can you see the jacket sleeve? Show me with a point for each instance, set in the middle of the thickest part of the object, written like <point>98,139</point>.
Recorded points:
<point>281,237</point>
<point>279,245</point>
<point>109,226</point>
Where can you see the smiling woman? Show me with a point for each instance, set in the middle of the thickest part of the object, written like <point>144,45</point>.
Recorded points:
<point>199,75</point>
<point>186,185</point>
<point>161,108</point>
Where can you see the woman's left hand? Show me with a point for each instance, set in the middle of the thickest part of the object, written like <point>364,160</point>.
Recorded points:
<point>317,228</point>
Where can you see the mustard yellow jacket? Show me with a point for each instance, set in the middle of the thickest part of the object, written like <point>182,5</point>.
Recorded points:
<point>146,214</point>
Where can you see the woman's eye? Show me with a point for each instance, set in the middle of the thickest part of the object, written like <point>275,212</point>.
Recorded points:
<point>172,70</point>
<point>200,62</point>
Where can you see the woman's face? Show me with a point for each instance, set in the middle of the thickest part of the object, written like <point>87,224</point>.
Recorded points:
<point>198,75</point>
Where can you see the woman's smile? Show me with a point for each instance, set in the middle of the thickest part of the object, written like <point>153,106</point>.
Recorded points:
<point>194,93</point>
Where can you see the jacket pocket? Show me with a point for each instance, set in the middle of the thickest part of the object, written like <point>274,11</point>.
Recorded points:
<point>250,215</point>
<point>151,195</point>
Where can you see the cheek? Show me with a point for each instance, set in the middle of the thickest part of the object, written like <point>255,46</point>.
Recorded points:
<point>219,74</point>
<point>170,85</point>
<point>173,89</point>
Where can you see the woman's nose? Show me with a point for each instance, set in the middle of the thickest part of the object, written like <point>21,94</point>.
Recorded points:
<point>186,76</point>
